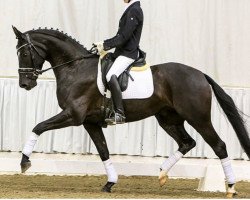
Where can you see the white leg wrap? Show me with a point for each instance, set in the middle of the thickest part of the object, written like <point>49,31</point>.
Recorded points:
<point>29,145</point>
<point>110,170</point>
<point>228,170</point>
<point>170,162</point>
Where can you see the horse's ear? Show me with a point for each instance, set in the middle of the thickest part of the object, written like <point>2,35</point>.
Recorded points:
<point>19,34</point>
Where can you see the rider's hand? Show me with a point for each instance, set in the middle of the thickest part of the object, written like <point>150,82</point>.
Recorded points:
<point>100,48</point>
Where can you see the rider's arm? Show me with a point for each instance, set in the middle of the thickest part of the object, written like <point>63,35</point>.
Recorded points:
<point>125,33</point>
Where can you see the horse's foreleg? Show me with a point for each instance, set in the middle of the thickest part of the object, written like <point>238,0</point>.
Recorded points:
<point>63,119</point>
<point>99,140</point>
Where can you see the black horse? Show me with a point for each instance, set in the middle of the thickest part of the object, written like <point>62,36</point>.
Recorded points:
<point>181,93</point>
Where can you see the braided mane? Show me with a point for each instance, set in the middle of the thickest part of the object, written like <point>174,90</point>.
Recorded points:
<point>58,34</point>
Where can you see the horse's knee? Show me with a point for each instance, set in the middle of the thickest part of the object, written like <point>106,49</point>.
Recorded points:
<point>38,129</point>
<point>220,149</point>
<point>187,146</point>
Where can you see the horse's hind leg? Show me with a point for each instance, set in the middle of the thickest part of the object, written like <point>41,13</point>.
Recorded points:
<point>209,134</point>
<point>173,124</point>
<point>178,133</point>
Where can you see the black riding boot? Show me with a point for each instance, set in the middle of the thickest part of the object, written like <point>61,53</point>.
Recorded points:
<point>118,117</point>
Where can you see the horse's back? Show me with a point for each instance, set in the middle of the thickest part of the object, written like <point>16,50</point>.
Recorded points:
<point>178,70</point>
<point>179,75</point>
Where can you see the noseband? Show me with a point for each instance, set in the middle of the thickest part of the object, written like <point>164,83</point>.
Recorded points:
<point>35,71</point>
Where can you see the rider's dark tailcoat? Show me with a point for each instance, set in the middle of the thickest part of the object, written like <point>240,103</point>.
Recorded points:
<point>128,36</point>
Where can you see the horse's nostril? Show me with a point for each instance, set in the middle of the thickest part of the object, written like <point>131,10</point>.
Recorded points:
<point>23,85</point>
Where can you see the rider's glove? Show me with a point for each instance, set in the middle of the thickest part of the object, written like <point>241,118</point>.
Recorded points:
<point>99,46</point>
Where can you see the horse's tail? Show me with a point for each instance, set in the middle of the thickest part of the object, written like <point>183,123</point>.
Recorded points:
<point>232,113</point>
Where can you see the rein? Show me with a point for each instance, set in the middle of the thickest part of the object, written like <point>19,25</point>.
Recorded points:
<point>35,71</point>
<point>54,67</point>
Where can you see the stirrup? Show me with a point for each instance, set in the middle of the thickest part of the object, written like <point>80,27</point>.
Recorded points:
<point>117,118</point>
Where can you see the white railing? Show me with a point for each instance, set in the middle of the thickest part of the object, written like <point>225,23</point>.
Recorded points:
<point>20,111</point>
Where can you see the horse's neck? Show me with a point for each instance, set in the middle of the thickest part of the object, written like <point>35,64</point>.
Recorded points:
<point>62,51</point>
<point>76,78</point>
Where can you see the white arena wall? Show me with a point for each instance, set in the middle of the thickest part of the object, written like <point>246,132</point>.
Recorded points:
<point>21,110</point>
<point>210,35</point>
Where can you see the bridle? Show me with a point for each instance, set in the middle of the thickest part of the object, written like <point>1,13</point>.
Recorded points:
<point>35,71</point>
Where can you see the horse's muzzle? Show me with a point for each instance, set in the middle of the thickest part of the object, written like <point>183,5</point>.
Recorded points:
<point>28,86</point>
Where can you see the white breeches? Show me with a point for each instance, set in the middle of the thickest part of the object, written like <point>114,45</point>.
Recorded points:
<point>121,63</point>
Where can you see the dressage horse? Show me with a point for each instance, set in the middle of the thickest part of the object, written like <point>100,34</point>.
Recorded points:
<point>181,93</point>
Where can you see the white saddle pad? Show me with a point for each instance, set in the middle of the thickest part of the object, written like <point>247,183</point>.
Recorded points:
<point>141,88</point>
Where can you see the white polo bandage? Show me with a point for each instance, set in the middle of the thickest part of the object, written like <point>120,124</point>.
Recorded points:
<point>228,170</point>
<point>170,162</point>
<point>110,170</point>
<point>30,144</point>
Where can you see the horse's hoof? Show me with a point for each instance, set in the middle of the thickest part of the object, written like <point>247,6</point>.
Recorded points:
<point>231,195</point>
<point>107,187</point>
<point>163,177</point>
<point>25,163</point>
<point>25,166</point>
<point>231,192</point>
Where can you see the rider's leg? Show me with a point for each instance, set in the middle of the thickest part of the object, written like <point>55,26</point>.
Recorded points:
<point>120,64</point>
<point>117,99</point>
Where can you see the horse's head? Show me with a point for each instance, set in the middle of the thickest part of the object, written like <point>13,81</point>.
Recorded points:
<point>31,59</point>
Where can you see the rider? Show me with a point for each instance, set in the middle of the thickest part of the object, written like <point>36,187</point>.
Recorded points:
<point>126,43</point>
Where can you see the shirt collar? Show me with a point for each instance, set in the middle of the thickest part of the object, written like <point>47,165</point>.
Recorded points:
<point>129,4</point>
